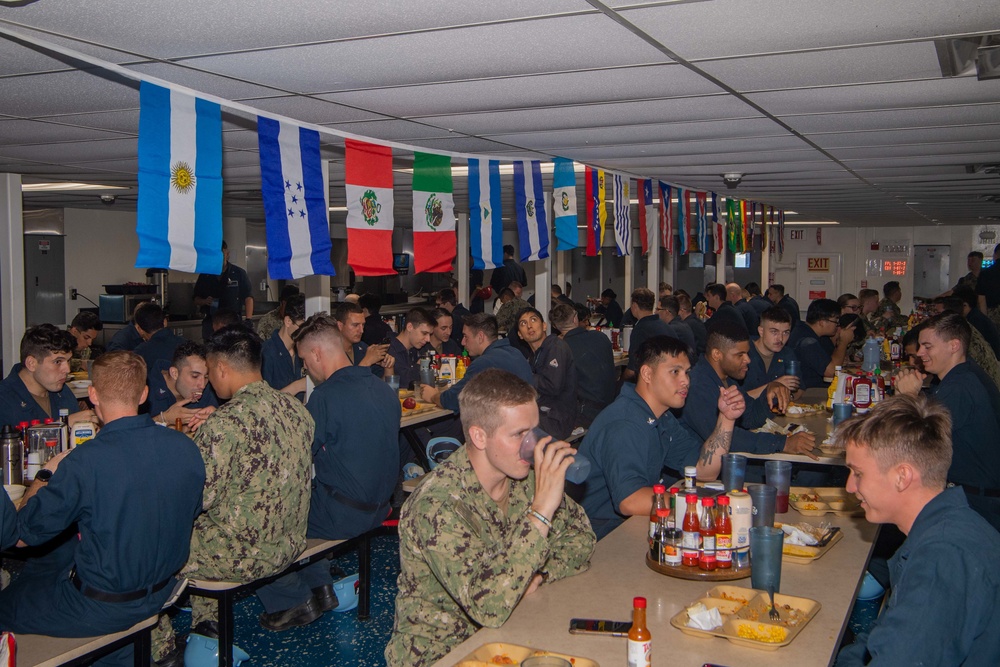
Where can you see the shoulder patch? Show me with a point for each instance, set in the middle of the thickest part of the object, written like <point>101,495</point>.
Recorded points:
<point>554,363</point>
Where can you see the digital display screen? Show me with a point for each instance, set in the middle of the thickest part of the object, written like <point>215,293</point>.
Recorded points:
<point>894,267</point>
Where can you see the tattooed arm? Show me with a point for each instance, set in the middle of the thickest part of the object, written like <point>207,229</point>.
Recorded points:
<point>731,406</point>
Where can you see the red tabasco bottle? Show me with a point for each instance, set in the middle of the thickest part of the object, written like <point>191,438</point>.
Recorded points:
<point>706,555</point>
<point>691,532</point>
<point>640,649</point>
<point>723,535</point>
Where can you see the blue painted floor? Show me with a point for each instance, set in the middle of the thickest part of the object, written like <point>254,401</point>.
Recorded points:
<point>336,638</point>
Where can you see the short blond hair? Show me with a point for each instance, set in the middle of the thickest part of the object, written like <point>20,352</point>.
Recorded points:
<point>485,394</point>
<point>119,377</point>
<point>904,429</point>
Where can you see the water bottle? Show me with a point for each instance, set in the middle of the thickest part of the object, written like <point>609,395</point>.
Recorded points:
<point>872,355</point>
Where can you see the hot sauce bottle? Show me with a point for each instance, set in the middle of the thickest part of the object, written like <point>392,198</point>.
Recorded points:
<point>640,647</point>
<point>723,535</point>
<point>691,532</point>
<point>706,555</point>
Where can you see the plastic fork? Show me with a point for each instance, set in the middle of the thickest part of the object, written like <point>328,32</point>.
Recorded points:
<point>773,613</point>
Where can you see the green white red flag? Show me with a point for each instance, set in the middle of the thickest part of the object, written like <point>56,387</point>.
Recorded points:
<point>434,241</point>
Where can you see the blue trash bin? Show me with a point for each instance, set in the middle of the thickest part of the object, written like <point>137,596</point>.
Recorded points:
<point>867,606</point>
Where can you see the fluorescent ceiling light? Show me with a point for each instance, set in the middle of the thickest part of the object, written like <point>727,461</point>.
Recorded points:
<point>338,208</point>
<point>68,187</point>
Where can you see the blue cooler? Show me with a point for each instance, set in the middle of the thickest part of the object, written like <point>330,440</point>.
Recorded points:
<point>867,606</point>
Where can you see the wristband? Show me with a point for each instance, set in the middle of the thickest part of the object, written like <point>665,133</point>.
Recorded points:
<point>541,517</point>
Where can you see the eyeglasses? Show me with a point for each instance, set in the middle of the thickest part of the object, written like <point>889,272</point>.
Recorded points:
<point>833,321</point>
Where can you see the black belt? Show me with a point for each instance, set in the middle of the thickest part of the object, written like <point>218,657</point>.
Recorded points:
<point>974,490</point>
<point>102,596</point>
<point>351,502</point>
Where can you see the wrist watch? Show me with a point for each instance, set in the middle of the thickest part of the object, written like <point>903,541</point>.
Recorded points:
<point>43,475</point>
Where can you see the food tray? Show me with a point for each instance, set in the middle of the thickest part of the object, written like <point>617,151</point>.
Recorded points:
<point>692,573</point>
<point>832,500</point>
<point>746,607</point>
<point>421,407</point>
<point>488,655</point>
<point>804,409</point>
<point>797,553</point>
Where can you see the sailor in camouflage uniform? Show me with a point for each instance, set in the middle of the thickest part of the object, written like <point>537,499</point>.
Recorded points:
<point>257,453</point>
<point>483,530</point>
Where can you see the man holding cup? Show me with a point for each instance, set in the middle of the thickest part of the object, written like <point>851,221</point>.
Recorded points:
<point>770,360</point>
<point>484,530</point>
<point>945,602</point>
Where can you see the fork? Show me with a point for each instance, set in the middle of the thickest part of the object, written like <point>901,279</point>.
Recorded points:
<point>773,613</point>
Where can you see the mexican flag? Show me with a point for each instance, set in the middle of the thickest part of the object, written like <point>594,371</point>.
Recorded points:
<point>434,242</point>
<point>368,176</point>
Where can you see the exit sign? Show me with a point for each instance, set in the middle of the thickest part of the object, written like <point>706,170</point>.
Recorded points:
<point>797,234</point>
<point>821,264</point>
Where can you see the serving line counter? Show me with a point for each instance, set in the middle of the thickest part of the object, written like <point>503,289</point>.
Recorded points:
<point>618,573</point>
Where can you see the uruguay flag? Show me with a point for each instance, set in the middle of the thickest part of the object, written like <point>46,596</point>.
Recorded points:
<point>179,219</point>
<point>529,202</point>
<point>485,221</point>
<point>294,182</point>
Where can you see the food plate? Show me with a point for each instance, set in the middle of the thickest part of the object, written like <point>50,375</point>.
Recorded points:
<point>497,653</point>
<point>80,384</point>
<point>694,574</point>
<point>744,611</point>
<point>805,409</point>
<point>797,553</point>
<point>421,407</point>
<point>819,501</point>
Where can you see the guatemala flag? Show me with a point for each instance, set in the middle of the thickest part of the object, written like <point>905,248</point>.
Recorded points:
<point>529,203</point>
<point>294,182</point>
<point>179,219</point>
<point>564,204</point>
<point>485,222</point>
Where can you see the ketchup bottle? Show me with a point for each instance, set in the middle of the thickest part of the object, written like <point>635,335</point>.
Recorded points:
<point>706,556</point>
<point>691,532</point>
<point>723,535</point>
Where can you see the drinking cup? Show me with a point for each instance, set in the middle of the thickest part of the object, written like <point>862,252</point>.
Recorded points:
<point>779,475</point>
<point>841,411</point>
<point>734,472</point>
<point>577,471</point>
<point>792,366</point>
<point>765,557</point>
<point>762,498</point>
<point>393,382</point>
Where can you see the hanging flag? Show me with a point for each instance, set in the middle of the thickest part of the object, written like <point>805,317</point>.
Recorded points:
<point>719,231</point>
<point>666,218</point>
<point>623,217</point>
<point>529,203</point>
<point>781,232</point>
<point>434,242</point>
<point>179,219</point>
<point>296,192</point>
<point>485,215</point>
<point>764,230</point>
<point>683,230</point>
<point>597,213</point>
<point>742,214</point>
<point>704,234</point>
<point>732,230</point>
<point>751,224</point>
<point>368,177</point>
<point>647,215</point>
<point>564,204</point>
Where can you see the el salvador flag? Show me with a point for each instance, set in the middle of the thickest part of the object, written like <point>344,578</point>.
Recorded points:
<point>294,182</point>
<point>529,201</point>
<point>485,214</point>
<point>179,218</point>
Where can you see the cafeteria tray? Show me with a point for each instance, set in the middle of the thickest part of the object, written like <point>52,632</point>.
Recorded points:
<point>832,500</point>
<point>747,608</point>
<point>492,654</point>
<point>692,573</point>
<point>797,553</point>
<point>421,407</point>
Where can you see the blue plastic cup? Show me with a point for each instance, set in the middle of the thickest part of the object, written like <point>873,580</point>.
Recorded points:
<point>765,557</point>
<point>842,411</point>
<point>577,471</point>
<point>734,472</point>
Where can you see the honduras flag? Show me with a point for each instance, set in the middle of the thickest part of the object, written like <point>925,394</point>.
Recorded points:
<point>564,204</point>
<point>295,184</point>
<point>485,223</point>
<point>179,219</point>
<point>529,202</point>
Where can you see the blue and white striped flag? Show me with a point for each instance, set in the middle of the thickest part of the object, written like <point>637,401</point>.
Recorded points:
<point>623,218</point>
<point>564,204</point>
<point>179,219</point>
<point>295,185</point>
<point>485,215</point>
<point>529,202</point>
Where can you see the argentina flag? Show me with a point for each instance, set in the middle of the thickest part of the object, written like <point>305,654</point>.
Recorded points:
<point>295,186</point>
<point>179,215</point>
<point>485,221</point>
<point>623,218</point>
<point>529,202</point>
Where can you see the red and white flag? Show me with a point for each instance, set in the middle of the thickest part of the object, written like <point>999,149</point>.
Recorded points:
<point>368,176</point>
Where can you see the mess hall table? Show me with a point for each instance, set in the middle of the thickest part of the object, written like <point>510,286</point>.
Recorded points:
<point>819,424</point>
<point>618,573</point>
